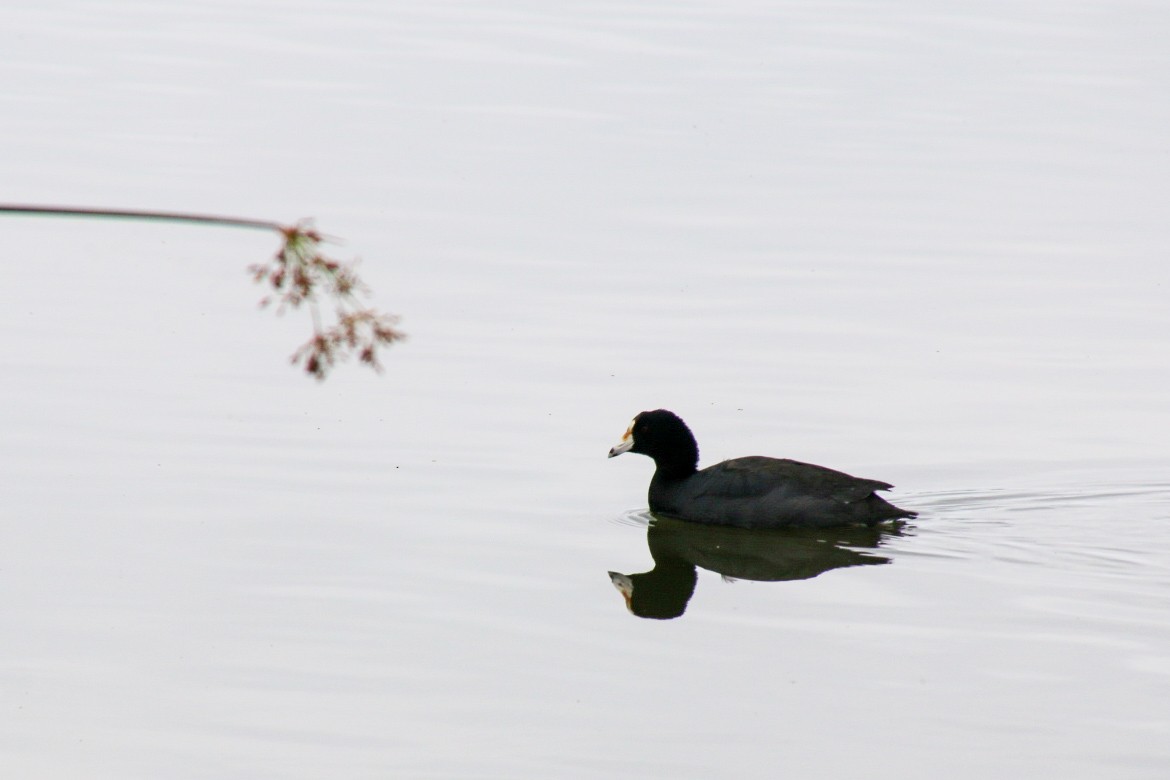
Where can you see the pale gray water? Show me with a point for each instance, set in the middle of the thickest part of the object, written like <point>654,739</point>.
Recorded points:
<point>918,243</point>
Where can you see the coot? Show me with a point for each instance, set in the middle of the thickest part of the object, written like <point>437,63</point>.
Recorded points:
<point>753,492</point>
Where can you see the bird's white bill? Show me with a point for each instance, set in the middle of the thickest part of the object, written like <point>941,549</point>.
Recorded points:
<point>625,586</point>
<point>623,445</point>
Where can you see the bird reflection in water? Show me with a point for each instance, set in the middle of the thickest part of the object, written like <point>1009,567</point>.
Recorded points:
<point>763,555</point>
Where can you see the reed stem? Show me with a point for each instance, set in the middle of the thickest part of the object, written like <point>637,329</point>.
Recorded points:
<point>165,216</point>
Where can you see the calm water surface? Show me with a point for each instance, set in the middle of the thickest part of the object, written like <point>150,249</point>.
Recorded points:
<point>919,244</point>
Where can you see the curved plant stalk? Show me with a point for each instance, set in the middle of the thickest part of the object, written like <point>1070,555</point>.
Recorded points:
<point>298,274</point>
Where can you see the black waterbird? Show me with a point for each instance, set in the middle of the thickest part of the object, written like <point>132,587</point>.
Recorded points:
<point>751,492</point>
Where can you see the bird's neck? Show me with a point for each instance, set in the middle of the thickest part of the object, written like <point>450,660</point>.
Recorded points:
<point>671,469</point>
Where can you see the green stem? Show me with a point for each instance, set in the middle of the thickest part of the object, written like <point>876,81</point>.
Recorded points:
<point>167,216</point>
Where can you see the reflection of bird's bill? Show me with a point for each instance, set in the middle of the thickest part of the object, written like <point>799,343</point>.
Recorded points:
<point>625,444</point>
<point>625,586</point>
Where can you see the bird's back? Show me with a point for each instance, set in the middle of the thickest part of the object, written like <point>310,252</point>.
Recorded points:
<point>760,492</point>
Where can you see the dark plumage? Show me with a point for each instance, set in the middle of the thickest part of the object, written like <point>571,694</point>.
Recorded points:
<point>752,492</point>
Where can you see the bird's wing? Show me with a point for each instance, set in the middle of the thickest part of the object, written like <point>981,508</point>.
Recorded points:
<point>760,476</point>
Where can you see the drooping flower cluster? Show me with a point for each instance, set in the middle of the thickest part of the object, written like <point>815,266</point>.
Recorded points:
<point>299,273</point>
